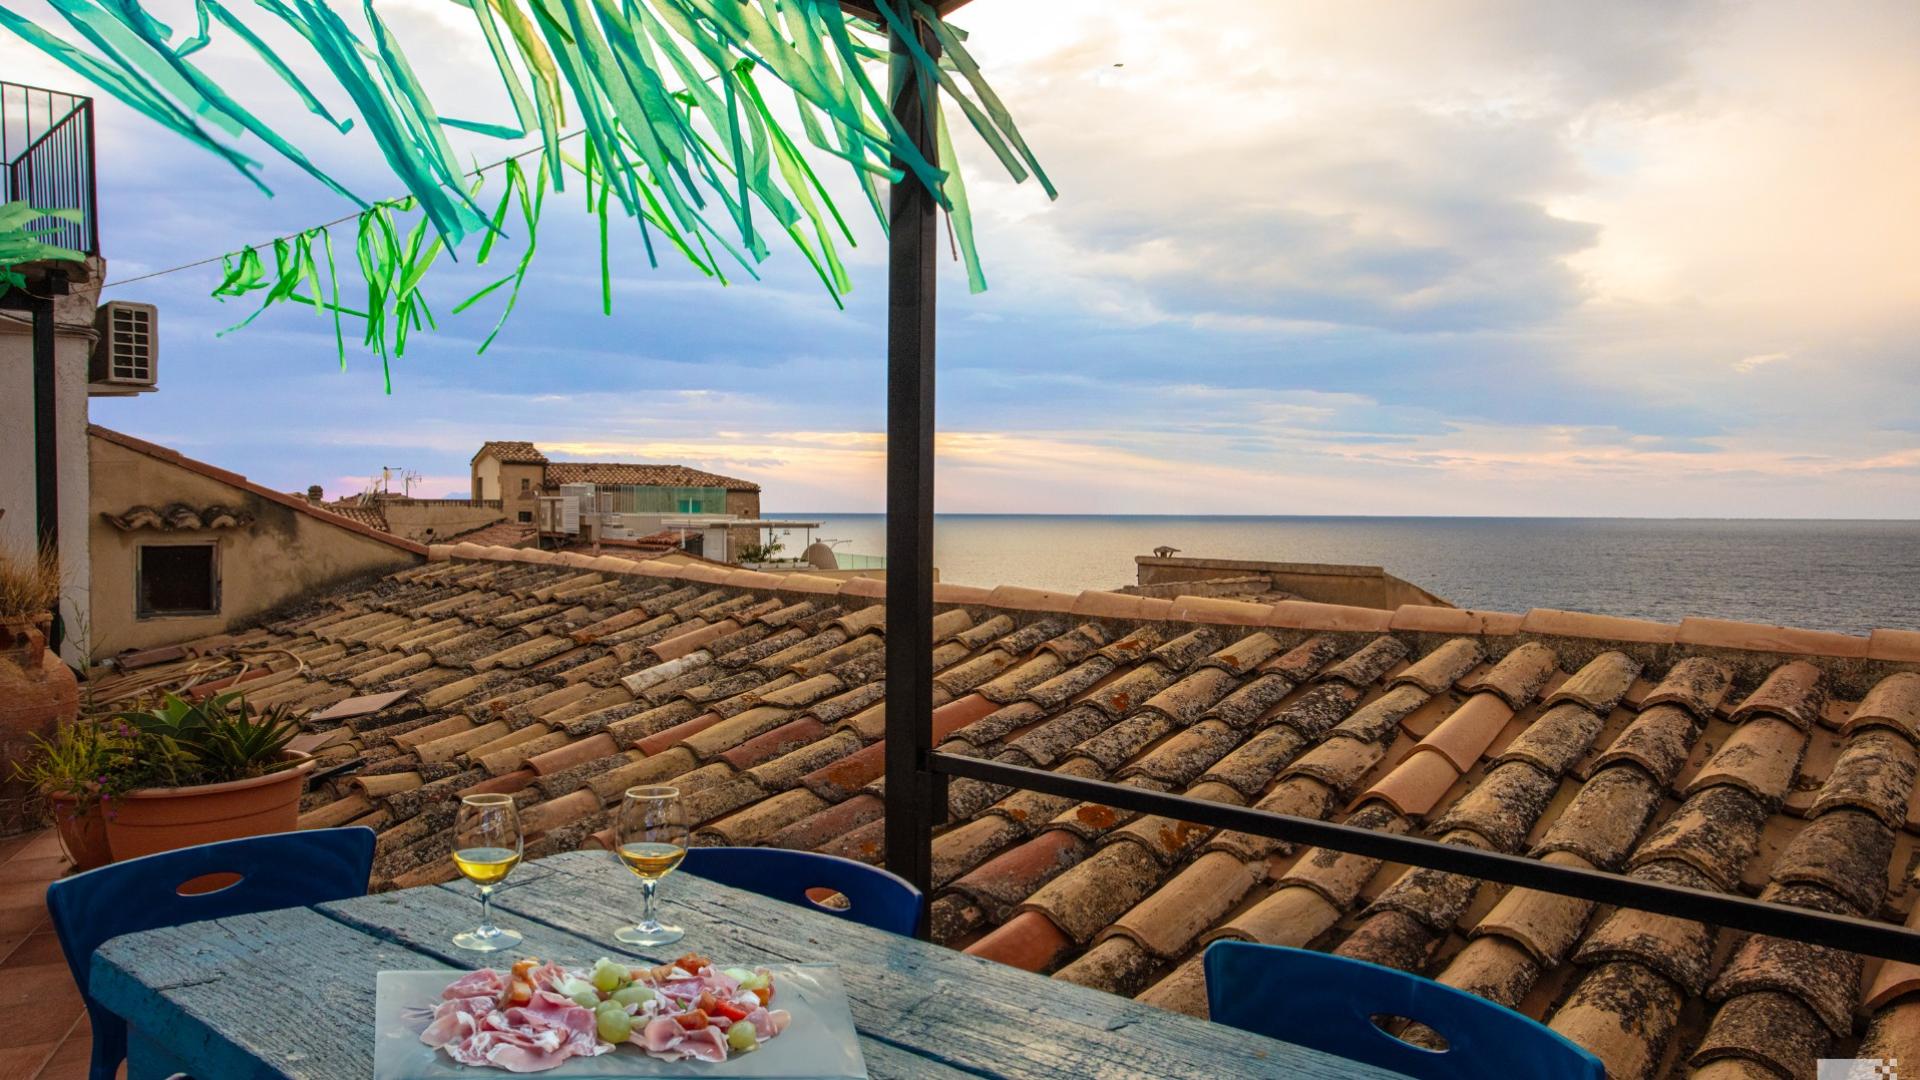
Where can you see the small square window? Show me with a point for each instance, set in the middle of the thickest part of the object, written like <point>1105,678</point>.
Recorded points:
<point>526,485</point>
<point>526,516</point>
<point>178,579</point>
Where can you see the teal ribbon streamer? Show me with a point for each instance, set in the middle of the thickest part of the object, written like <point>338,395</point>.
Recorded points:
<point>676,161</point>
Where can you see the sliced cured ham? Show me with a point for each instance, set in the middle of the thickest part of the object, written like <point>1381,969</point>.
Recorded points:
<point>483,983</point>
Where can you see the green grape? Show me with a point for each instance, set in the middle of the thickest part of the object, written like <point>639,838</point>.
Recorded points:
<point>633,995</point>
<point>587,999</point>
<point>756,980</point>
<point>614,1025</point>
<point>608,978</point>
<point>740,1037</point>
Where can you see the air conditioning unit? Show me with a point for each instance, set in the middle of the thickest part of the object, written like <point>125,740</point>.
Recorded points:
<point>127,353</point>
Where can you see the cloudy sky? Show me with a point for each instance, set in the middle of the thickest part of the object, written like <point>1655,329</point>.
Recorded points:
<point>1470,258</point>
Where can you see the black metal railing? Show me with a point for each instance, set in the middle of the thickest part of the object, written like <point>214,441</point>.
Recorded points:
<point>1865,936</point>
<point>46,160</point>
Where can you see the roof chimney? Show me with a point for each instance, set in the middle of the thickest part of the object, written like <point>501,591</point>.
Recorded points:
<point>315,494</point>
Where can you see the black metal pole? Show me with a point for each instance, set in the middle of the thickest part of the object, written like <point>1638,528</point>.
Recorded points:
<point>911,784</point>
<point>46,453</point>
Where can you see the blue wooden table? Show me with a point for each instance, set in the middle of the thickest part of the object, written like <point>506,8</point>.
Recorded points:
<point>291,993</point>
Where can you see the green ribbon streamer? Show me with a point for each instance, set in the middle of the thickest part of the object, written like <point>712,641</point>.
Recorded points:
<point>669,158</point>
<point>20,241</point>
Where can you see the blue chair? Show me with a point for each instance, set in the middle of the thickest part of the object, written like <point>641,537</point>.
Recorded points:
<point>1328,1003</point>
<point>281,870</point>
<point>874,897</point>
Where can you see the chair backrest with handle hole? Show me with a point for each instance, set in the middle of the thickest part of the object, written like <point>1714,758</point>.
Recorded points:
<point>1328,1003</point>
<point>872,896</point>
<point>280,870</point>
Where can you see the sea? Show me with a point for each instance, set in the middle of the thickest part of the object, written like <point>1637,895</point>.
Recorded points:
<point>1849,576</point>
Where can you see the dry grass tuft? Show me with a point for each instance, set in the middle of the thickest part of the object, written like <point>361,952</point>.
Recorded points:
<point>29,586</point>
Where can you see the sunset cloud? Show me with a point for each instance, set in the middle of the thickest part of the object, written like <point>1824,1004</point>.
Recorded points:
<point>1488,256</point>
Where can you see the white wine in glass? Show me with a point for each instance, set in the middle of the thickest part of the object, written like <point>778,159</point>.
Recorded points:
<point>650,838</point>
<point>486,847</point>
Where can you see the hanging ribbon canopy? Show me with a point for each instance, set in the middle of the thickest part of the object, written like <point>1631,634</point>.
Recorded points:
<point>674,125</point>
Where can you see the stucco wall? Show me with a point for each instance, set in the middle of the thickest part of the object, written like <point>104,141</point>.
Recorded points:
<point>19,527</point>
<point>427,522</point>
<point>281,555</point>
<point>486,478</point>
<point>745,504</point>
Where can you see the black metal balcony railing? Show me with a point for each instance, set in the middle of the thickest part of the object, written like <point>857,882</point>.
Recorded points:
<point>1868,937</point>
<point>46,160</point>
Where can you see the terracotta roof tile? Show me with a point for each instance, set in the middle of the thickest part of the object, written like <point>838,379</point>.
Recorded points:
<point>1600,684</point>
<point>1304,660</point>
<point>1517,677</point>
<point>1875,773</point>
<point>1762,756</point>
<point>1825,980</point>
<point>1895,646</point>
<point>1437,671</point>
<point>1427,619</point>
<point>1366,666</point>
<point>1546,925</point>
<point>1304,615</point>
<point>1893,702</point>
<point>1845,851</point>
<point>1415,786</point>
<point>999,884</point>
<point>1493,967</point>
<point>1581,624</point>
<point>1658,740</point>
<point>1792,692</point>
<point>1028,940</point>
<point>1220,610</point>
<point>1340,763</point>
<point>1726,634</point>
<point>1094,604</point>
<point>1556,740</point>
<point>1503,806</point>
<point>1465,734</point>
<point>1775,1031</point>
<point>1716,832</point>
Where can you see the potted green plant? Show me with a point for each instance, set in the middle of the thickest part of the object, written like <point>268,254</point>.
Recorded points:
<point>69,770</point>
<point>185,772</point>
<point>36,689</point>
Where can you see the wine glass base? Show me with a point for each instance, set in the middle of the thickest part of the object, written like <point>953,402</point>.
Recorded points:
<point>475,941</point>
<point>657,934</point>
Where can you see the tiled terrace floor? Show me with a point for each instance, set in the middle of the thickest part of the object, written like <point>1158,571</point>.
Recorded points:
<point>55,1042</point>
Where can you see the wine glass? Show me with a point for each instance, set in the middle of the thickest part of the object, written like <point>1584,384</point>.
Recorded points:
<point>487,844</point>
<point>650,837</point>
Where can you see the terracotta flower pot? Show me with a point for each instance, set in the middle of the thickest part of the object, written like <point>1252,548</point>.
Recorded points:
<point>161,819</point>
<point>83,833</point>
<point>36,692</point>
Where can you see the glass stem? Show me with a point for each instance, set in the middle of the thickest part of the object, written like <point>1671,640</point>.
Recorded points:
<point>646,901</point>
<point>487,928</point>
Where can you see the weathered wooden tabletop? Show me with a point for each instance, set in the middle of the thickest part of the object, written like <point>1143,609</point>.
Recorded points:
<point>291,993</point>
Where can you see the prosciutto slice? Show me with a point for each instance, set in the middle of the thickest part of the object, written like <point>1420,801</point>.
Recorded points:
<point>483,983</point>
